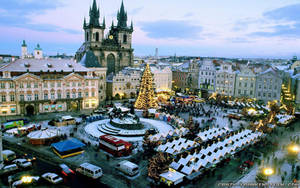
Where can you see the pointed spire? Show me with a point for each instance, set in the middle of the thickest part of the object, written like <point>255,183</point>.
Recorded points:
<point>84,23</point>
<point>112,24</point>
<point>94,15</point>
<point>131,25</point>
<point>122,17</point>
<point>103,23</point>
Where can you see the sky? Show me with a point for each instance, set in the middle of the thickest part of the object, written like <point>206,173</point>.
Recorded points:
<point>231,28</point>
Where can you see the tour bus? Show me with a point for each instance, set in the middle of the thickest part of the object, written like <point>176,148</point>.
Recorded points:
<point>90,170</point>
<point>115,146</point>
<point>8,155</point>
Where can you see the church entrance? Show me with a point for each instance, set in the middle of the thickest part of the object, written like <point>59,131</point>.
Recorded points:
<point>110,64</point>
<point>29,110</point>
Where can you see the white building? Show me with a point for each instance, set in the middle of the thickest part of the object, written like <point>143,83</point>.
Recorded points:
<point>124,84</point>
<point>245,83</point>
<point>162,78</point>
<point>225,80</point>
<point>38,52</point>
<point>207,76</point>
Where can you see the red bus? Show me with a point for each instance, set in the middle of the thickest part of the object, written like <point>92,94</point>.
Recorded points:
<point>115,146</point>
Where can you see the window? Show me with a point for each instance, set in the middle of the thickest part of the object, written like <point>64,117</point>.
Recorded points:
<point>3,98</point>
<point>28,85</point>
<point>251,85</point>
<point>239,91</point>
<point>45,84</point>
<point>269,94</point>
<point>58,84</point>
<point>46,108</point>
<point>68,95</point>
<point>97,36</point>
<point>36,96</point>
<point>21,97</point>
<point>275,87</point>
<point>35,85</point>
<point>240,84</point>
<point>46,96</point>
<point>68,84</point>
<point>259,86</point>
<point>11,85</point>
<point>73,95</point>
<point>29,97</point>
<point>86,94</point>
<point>245,92</point>
<point>59,95</point>
<point>86,83</point>
<point>264,94</point>
<point>21,85</point>
<point>12,98</point>
<point>79,94</point>
<point>73,84</point>
<point>52,96</point>
<point>79,84</point>
<point>245,85</point>
<point>124,38</point>
<point>2,85</point>
<point>274,95</point>
<point>258,94</point>
<point>52,84</point>
<point>13,110</point>
<point>270,87</point>
<point>93,94</point>
<point>93,83</point>
<point>251,92</point>
<point>87,105</point>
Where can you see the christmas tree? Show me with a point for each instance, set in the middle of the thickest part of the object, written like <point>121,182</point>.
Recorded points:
<point>146,99</point>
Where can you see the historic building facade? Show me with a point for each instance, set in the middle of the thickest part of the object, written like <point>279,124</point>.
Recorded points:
<point>113,51</point>
<point>268,85</point>
<point>162,78</point>
<point>245,83</point>
<point>124,84</point>
<point>225,80</point>
<point>207,76</point>
<point>33,86</point>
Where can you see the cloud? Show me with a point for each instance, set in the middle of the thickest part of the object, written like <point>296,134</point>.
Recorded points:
<point>135,11</point>
<point>239,40</point>
<point>189,14</point>
<point>284,22</point>
<point>16,13</point>
<point>164,29</point>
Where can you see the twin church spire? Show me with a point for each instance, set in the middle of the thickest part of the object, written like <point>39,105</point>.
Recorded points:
<point>94,14</point>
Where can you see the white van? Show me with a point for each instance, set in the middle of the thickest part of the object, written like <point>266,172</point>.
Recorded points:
<point>8,155</point>
<point>90,170</point>
<point>128,168</point>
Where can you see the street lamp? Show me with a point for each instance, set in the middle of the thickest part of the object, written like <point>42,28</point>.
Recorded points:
<point>268,171</point>
<point>294,148</point>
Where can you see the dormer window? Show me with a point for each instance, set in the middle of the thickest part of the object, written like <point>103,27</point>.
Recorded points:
<point>70,65</point>
<point>26,64</point>
<point>49,65</point>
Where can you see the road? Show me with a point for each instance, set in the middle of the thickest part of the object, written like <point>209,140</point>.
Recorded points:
<point>40,167</point>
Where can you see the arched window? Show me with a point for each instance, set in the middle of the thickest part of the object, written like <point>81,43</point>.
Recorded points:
<point>124,38</point>
<point>97,36</point>
<point>87,36</point>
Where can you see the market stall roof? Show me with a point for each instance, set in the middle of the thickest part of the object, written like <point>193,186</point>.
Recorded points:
<point>43,134</point>
<point>68,145</point>
<point>172,175</point>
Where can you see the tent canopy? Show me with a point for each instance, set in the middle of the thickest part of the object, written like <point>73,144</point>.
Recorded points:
<point>67,145</point>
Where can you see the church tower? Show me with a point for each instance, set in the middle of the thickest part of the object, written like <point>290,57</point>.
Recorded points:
<point>93,31</point>
<point>38,52</point>
<point>24,50</point>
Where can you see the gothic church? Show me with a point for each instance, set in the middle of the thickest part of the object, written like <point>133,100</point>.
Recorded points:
<point>114,50</point>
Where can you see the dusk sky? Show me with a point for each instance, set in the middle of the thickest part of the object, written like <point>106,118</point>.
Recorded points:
<point>231,28</point>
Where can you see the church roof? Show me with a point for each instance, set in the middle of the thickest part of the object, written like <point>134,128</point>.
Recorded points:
<point>89,60</point>
<point>38,47</point>
<point>24,44</point>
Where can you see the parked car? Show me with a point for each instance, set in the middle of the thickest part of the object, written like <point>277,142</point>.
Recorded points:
<point>28,180</point>
<point>90,170</point>
<point>128,168</point>
<point>29,157</point>
<point>8,155</point>
<point>23,163</point>
<point>52,178</point>
<point>65,170</point>
<point>8,169</point>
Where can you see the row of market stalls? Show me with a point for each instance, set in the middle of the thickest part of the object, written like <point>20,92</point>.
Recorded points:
<point>178,132</point>
<point>194,164</point>
<point>212,133</point>
<point>177,146</point>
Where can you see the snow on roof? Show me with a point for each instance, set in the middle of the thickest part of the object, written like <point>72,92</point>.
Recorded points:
<point>43,134</point>
<point>67,118</point>
<point>172,175</point>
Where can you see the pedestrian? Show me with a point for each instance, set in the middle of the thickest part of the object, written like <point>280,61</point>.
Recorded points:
<point>107,157</point>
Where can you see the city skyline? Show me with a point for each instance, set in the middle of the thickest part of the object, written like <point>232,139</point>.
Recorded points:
<point>196,28</point>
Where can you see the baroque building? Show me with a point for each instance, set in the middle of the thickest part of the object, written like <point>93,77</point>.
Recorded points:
<point>245,83</point>
<point>114,50</point>
<point>33,86</point>
<point>225,80</point>
<point>207,76</point>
